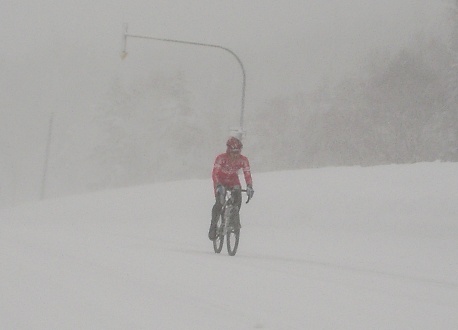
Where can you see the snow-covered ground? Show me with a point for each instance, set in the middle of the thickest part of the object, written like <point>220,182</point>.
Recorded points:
<point>331,248</point>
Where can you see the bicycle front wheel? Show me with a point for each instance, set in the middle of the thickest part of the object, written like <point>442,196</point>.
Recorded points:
<point>232,238</point>
<point>219,240</point>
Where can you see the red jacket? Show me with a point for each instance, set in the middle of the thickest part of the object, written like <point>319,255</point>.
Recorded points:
<point>225,170</point>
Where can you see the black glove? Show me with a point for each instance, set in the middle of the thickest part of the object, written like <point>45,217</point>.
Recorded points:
<point>249,191</point>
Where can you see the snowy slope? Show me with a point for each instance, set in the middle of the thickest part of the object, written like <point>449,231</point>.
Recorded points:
<point>332,248</point>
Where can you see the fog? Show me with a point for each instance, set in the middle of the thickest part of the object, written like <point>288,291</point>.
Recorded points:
<point>61,60</point>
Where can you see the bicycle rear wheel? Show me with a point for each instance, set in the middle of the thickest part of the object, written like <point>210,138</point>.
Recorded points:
<point>219,240</point>
<point>232,239</point>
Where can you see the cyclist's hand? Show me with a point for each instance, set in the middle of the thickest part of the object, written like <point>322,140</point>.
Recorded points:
<point>220,190</point>
<point>249,191</point>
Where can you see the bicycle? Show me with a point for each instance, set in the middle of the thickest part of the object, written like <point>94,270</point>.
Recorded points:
<point>228,225</point>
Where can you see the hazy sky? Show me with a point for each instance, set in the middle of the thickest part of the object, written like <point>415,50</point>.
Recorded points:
<point>61,56</point>
<point>285,46</point>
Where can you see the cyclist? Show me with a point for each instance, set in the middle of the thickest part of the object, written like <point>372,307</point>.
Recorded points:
<point>225,176</point>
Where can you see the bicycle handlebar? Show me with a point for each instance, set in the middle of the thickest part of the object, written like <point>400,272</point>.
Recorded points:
<point>243,190</point>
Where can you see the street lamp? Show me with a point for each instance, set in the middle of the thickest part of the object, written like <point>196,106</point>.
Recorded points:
<point>124,54</point>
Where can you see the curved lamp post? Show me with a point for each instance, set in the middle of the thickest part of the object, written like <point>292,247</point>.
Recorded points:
<point>124,54</point>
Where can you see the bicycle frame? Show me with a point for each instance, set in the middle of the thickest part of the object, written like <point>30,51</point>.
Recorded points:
<point>228,229</point>
<point>227,211</point>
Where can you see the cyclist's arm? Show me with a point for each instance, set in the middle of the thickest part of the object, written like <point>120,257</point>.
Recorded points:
<point>247,172</point>
<point>216,171</point>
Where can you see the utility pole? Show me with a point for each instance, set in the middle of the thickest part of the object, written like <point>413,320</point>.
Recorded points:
<point>242,106</point>
<point>48,147</point>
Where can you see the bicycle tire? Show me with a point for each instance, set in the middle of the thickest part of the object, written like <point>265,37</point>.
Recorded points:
<point>232,240</point>
<point>219,240</point>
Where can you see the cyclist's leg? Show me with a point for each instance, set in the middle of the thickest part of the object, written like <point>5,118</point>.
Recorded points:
<point>237,195</point>
<point>216,211</point>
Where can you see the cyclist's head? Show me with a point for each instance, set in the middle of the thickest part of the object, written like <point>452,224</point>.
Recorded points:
<point>234,145</point>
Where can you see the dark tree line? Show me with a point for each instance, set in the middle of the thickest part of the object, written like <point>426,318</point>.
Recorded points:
<point>403,109</point>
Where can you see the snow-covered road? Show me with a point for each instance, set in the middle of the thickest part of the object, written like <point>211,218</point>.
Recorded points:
<point>332,248</point>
